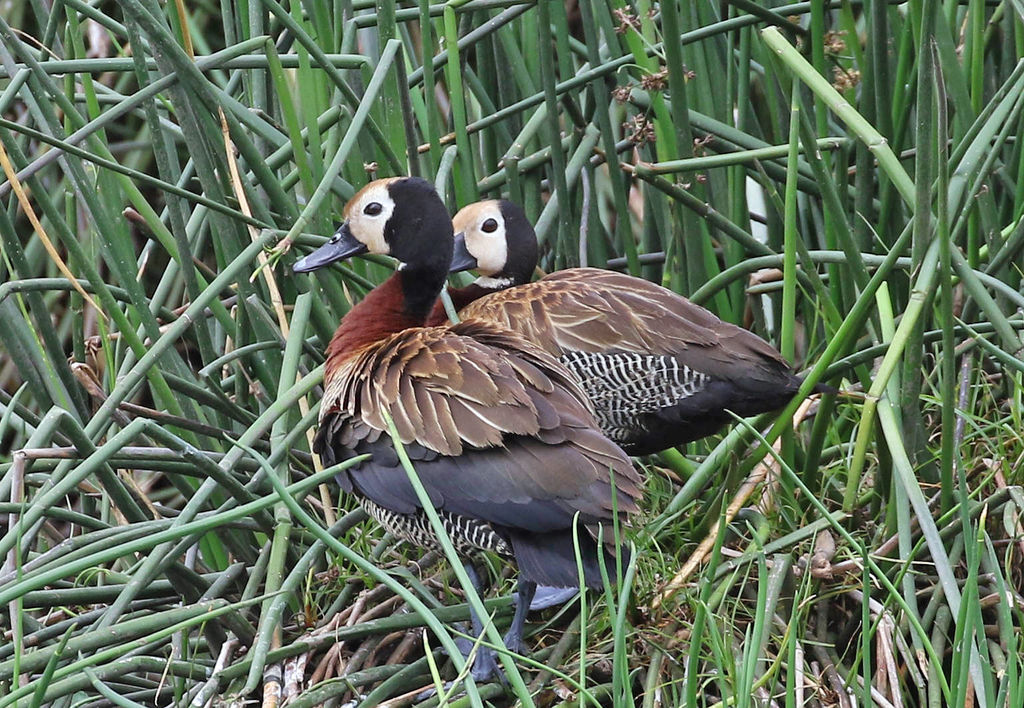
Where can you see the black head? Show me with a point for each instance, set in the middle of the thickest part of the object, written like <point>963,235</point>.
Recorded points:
<point>400,217</point>
<point>497,240</point>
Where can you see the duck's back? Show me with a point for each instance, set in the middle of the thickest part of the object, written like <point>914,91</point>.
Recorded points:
<point>659,369</point>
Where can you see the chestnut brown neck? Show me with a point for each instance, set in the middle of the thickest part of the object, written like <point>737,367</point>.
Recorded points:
<point>400,302</point>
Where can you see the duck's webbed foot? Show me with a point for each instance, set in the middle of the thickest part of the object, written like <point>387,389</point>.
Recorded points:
<point>547,596</point>
<point>485,661</point>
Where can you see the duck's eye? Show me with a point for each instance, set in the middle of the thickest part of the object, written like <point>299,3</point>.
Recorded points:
<point>490,226</point>
<point>373,209</point>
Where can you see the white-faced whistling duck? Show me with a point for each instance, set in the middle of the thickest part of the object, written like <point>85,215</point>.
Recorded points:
<point>660,370</point>
<point>501,436</point>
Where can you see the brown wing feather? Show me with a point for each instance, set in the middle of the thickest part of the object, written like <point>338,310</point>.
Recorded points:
<point>502,428</point>
<point>473,388</point>
<point>594,310</point>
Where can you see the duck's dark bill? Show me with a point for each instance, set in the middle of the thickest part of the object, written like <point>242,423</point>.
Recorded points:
<point>462,258</point>
<point>341,246</point>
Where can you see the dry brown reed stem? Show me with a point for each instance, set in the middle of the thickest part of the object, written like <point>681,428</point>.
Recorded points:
<point>757,476</point>
<point>767,469</point>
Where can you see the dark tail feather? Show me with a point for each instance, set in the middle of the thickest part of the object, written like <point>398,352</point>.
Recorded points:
<point>796,381</point>
<point>550,558</point>
<point>825,388</point>
<point>818,387</point>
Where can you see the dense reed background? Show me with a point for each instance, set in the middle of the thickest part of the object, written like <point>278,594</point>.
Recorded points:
<point>846,178</point>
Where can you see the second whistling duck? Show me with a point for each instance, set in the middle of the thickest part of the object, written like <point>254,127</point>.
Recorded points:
<point>499,432</point>
<point>660,370</point>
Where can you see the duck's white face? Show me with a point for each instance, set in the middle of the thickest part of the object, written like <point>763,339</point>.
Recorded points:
<point>483,226</point>
<point>400,217</point>
<point>367,213</point>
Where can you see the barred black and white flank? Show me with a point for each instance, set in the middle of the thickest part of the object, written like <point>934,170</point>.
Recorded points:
<point>627,389</point>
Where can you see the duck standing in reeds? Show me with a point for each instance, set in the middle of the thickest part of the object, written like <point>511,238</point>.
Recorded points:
<point>500,434</point>
<point>660,370</point>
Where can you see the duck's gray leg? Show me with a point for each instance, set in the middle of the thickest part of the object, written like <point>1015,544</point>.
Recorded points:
<point>514,638</point>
